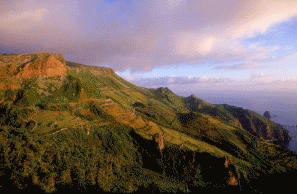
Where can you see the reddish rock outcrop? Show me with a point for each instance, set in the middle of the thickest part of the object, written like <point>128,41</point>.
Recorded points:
<point>158,138</point>
<point>46,66</point>
<point>232,178</point>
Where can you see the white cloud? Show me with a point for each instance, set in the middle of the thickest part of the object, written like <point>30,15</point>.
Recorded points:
<point>190,44</point>
<point>173,3</point>
<point>242,66</point>
<point>289,57</point>
<point>24,19</point>
<point>259,76</point>
<point>141,35</point>
<point>259,16</point>
<point>174,81</point>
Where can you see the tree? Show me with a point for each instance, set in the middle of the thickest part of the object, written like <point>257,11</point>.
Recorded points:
<point>267,114</point>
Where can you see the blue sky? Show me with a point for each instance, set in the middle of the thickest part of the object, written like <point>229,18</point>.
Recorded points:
<point>218,46</point>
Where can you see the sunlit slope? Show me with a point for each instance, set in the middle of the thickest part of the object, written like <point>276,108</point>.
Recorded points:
<point>246,119</point>
<point>92,116</point>
<point>32,83</point>
<point>84,102</point>
<point>214,123</point>
<point>162,105</point>
<point>14,66</point>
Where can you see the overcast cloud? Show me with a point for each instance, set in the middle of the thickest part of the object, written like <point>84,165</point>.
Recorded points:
<point>173,81</point>
<point>140,35</point>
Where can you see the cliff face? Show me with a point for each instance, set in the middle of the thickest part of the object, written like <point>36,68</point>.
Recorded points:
<point>251,121</point>
<point>265,130</point>
<point>45,66</point>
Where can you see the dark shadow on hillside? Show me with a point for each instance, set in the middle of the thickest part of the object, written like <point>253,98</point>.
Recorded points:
<point>181,164</point>
<point>151,156</point>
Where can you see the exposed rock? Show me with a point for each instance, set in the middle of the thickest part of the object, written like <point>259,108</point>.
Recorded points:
<point>256,126</point>
<point>228,162</point>
<point>237,124</point>
<point>158,138</point>
<point>217,169</point>
<point>45,66</point>
<point>267,114</point>
<point>232,178</point>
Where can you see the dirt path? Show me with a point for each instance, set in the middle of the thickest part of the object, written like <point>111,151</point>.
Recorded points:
<point>127,115</point>
<point>58,131</point>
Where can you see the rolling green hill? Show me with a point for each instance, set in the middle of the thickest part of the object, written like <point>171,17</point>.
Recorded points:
<point>86,128</point>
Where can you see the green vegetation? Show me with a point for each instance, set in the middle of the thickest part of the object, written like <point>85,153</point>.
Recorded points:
<point>91,130</point>
<point>72,160</point>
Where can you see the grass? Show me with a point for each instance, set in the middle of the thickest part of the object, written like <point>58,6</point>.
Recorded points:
<point>190,124</point>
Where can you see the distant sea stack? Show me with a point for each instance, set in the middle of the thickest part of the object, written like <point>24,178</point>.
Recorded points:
<point>267,115</point>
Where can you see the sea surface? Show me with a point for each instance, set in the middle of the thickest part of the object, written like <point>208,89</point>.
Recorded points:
<point>292,145</point>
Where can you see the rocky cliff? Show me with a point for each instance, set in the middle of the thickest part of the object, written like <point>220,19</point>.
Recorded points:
<point>47,66</point>
<point>261,127</point>
<point>185,142</point>
<point>254,123</point>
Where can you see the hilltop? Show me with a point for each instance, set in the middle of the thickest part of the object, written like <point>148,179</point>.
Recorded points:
<point>85,127</point>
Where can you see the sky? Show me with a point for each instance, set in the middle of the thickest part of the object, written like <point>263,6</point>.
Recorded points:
<point>190,46</point>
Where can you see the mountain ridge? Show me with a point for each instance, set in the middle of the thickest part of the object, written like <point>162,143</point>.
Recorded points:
<point>83,102</point>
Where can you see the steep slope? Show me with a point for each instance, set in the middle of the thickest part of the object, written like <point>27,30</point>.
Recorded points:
<point>89,127</point>
<point>246,119</point>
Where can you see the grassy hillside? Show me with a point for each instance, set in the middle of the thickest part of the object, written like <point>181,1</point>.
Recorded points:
<point>91,130</point>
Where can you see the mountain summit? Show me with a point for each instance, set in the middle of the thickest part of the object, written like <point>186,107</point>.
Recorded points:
<point>47,66</point>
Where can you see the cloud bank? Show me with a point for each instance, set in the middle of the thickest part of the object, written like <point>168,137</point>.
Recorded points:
<point>141,35</point>
<point>173,81</point>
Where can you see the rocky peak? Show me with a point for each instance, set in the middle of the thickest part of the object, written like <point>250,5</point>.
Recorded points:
<point>47,66</point>
<point>164,90</point>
